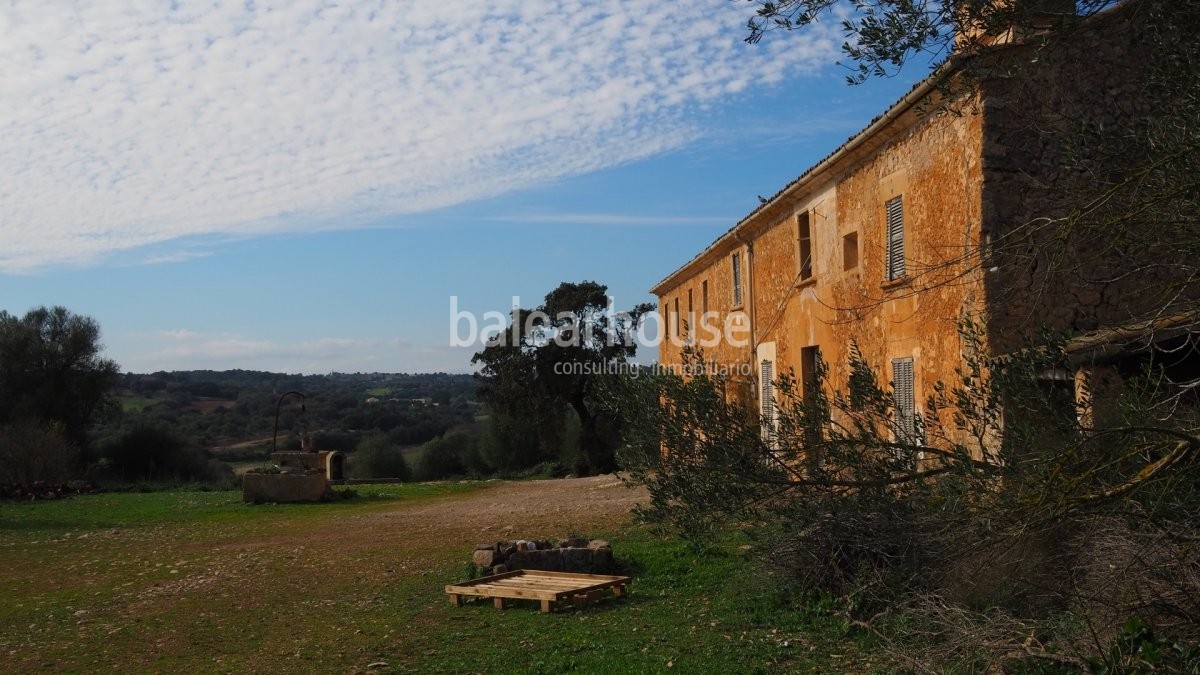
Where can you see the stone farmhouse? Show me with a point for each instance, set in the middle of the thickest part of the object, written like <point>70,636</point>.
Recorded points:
<point>886,243</point>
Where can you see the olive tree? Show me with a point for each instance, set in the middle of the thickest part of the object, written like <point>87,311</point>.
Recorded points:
<point>52,373</point>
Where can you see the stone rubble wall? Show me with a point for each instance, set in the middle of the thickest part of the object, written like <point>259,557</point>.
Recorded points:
<point>282,488</point>
<point>586,556</point>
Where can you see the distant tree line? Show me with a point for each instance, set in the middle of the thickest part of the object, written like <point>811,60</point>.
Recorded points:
<point>66,412</point>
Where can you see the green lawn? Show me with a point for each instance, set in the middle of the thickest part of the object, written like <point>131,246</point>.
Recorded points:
<point>685,613</point>
<point>199,581</point>
<point>137,403</point>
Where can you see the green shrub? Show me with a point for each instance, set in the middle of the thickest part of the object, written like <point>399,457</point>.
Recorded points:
<point>32,452</point>
<point>378,457</point>
<point>155,454</point>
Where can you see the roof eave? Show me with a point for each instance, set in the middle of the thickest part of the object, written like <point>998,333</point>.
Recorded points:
<point>783,200</point>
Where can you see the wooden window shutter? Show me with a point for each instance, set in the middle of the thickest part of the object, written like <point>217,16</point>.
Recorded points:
<point>767,402</point>
<point>895,238</point>
<point>737,279</point>
<point>905,400</point>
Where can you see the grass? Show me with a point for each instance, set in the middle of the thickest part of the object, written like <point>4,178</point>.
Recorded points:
<point>685,613</point>
<point>189,507</point>
<point>199,581</point>
<point>137,403</point>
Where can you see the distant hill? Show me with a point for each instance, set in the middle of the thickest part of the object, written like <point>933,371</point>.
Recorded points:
<point>231,412</point>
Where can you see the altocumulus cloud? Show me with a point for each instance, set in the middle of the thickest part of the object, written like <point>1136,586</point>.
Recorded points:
<point>129,123</point>
<point>186,349</point>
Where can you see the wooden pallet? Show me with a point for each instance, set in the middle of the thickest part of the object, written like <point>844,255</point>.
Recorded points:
<point>545,587</point>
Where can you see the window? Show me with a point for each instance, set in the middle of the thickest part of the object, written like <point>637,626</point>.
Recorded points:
<point>737,279</point>
<point>809,358</point>
<point>691,316</point>
<point>850,251</point>
<point>767,401</point>
<point>907,427</point>
<point>675,319</point>
<point>804,238</point>
<point>895,238</point>
<point>704,296</point>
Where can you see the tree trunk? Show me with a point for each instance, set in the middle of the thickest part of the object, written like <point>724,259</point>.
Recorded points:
<point>599,458</point>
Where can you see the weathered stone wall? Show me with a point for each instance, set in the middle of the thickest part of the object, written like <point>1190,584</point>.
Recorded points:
<point>586,556</point>
<point>1067,278</point>
<point>329,462</point>
<point>717,278</point>
<point>969,178</point>
<point>260,488</point>
<point>935,169</point>
<point>933,161</point>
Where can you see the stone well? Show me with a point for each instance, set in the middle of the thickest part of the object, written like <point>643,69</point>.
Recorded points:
<point>300,477</point>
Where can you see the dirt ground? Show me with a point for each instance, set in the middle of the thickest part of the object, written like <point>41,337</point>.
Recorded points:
<point>500,510</point>
<point>300,585</point>
<point>422,536</point>
<point>528,509</point>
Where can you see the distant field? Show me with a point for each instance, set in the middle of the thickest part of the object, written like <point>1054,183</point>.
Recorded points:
<point>140,403</point>
<point>199,581</point>
<point>209,405</point>
<point>379,391</point>
<point>242,445</point>
<point>241,467</point>
<point>136,403</point>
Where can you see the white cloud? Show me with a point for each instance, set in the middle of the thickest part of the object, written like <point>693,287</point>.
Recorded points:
<point>611,219</point>
<point>178,256</point>
<point>183,349</point>
<point>130,123</point>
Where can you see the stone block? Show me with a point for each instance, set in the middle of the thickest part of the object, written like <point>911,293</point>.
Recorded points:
<point>549,560</point>
<point>281,488</point>
<point>484,558</point>
<point>577,560</point>
<point>602,561</point>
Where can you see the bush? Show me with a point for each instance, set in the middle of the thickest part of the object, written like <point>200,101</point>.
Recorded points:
<point>976,535</point>
<point>449,456</point>
<point>340,441</point>
<point>152,453</point>
<point>33,452</point>
<point>377,456</point>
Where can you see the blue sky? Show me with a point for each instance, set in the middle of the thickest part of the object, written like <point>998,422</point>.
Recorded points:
<point>303,187</point>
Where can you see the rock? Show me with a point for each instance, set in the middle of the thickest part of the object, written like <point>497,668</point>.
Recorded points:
<point>549,560</point>
<point>602,561</point>
<point>572,554</point>
<point>577,560</point>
